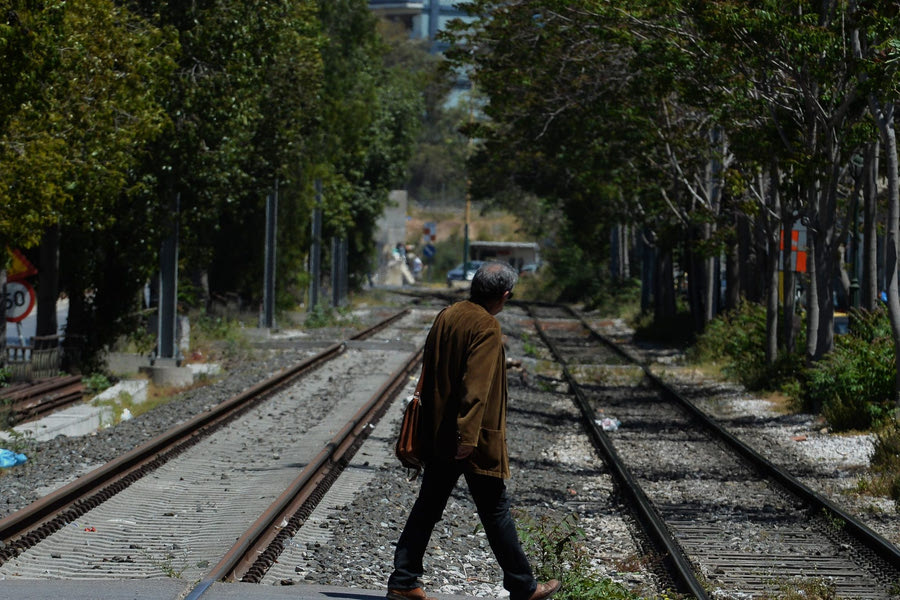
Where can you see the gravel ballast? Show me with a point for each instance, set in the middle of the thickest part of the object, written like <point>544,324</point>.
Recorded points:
<point>555,473</point>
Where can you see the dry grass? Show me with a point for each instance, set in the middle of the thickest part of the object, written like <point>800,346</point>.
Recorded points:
<point>494,225</point>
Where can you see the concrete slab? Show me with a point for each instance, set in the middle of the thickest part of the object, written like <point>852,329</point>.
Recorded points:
<point>29,589</point>
<point>73,421</point>
<point>174,589</point>
<point>82,419</point>
<point>123,364</point>
<point>136,389</point>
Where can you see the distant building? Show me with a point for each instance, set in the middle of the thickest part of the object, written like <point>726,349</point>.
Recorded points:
<point>423,19</point>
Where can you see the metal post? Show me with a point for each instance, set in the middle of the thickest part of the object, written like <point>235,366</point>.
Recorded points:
<point>335,272</point>
<point>269,274</point>
<point>345,270</point>
<point>434,14</point>
<point>315,257</point>
<point>168,290</point>
<point>466,238</point>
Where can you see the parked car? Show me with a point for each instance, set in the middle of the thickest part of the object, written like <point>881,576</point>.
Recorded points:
<point>529,269</point>
<point>459,274</point>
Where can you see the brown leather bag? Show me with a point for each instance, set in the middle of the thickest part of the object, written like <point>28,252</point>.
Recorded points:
<point>409,446</point>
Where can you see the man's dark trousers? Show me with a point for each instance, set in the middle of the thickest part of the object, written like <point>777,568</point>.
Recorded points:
<point>492,503</point>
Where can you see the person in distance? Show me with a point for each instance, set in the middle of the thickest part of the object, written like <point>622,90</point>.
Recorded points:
<point>464,398</point>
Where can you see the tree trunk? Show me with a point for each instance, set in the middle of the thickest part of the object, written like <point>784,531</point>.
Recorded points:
<point>708,289</point>
<point>773,201</point>
<point>696,281</point>
<point>734,258</point>
<point>648,272</point>
<point>869,277</point>
<point>664,296</point>
<point>48,283</point>
<point>844,278</point>
<point>3,352</point>
<point>75,330</point>
<point>884,117</point>
<point>812,292</point>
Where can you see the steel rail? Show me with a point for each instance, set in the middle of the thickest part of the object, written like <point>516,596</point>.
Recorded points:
<point>850,524</point>
<point>254,552</point>
<point>27,402</point>
<point>686,580</point>
<point>27,526</point>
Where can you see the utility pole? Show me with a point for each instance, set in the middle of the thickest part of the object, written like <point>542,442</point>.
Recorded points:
<point>168,289</point>
<point>315,258</point>
<point>269,272</point>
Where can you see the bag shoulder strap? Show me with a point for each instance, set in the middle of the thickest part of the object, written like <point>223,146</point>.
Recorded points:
<point>418,393</point>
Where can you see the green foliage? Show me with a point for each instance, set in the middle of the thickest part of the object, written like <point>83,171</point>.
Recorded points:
<point>885,461</point>
<point>81,87</point>
<point>96,383</point>
<point>854,385</point>
<point>736,341</point>
<point>557,550</point>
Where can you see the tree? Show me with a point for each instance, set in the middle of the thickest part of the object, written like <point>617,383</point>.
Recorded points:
<point>79,94</point>
<point>370,119</point>
<point>876,44</point>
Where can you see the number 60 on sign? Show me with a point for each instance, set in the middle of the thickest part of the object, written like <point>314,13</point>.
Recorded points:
<point>18,300</point>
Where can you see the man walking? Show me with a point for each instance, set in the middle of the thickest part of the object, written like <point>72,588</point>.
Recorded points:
<point>464,397</point>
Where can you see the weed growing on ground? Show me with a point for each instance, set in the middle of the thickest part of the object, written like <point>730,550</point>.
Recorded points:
<point>95,383</point>
<point>529,347</point>
<point>323,316</point>
<point>17,442</point>
<point>885,463</point>
<point>116,407</point>
<point>218,336</point>
<point>167,564</point>
<point>6,416</point>
<point>558,552</point>
<point>804,589</point>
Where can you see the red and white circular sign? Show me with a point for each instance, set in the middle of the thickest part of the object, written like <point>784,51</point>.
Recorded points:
<point>18,300</point>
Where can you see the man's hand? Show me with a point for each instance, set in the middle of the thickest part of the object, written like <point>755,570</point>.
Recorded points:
<point>464,452</point>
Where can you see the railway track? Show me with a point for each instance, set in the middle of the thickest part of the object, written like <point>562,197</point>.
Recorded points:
<point>173,507</point>
<point>224,506</point>
<point>723,519</point>
<point>28,401</point>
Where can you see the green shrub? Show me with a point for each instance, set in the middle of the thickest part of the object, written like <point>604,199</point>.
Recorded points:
<point>736,341</point>
<point>853,386</point>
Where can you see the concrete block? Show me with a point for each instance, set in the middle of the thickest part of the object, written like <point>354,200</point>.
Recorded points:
<point>164,374</point>
<point>135,388</point>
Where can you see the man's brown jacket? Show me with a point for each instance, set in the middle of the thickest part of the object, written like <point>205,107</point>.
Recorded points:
<point>464,389</point>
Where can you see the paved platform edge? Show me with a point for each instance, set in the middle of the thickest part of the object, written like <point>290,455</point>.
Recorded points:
<point>173,589</point>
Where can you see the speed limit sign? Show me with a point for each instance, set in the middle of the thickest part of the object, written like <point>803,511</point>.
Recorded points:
<point>18,300</point>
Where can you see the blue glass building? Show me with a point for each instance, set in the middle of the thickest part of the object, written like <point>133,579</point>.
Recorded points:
<point>423,19</point>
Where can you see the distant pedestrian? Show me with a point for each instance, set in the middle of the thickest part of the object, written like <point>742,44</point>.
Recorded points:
<point>415,265</point>
<point>464,402</point>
